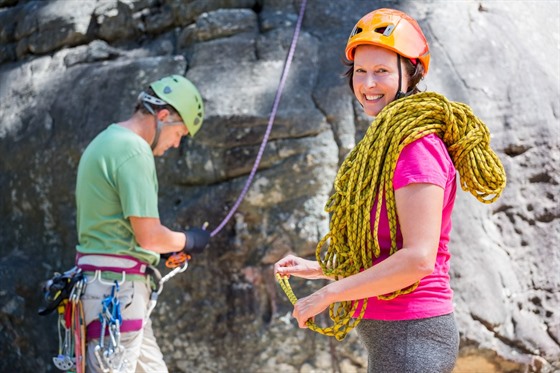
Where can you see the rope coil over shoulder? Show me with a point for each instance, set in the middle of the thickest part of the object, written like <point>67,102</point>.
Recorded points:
<point>367,174</point>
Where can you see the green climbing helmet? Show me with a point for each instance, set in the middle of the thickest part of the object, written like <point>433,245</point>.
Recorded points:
<point>180,93</point>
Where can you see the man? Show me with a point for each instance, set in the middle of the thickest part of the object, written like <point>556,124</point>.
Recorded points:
<point>119,230</point>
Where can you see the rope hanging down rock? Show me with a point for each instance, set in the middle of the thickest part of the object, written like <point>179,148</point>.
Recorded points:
<point>275,105</point>
<point>367,174</point>
<point>179,261</point>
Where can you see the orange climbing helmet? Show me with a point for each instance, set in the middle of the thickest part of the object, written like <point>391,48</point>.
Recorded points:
<point>391,29</point>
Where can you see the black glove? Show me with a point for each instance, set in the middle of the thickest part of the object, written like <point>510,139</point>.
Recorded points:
<point>197,239</point>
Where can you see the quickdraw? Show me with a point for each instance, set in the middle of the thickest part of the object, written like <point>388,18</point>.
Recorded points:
<point>111,355</point>
<point>64,360</point>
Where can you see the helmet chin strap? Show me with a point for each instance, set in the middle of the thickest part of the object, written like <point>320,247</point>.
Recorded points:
<point>400,93</point>
<point>159,125</point>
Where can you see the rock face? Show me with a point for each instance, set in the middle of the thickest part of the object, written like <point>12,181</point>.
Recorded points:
<point>68,68</point>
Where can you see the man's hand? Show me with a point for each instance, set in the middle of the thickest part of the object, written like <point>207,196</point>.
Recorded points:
<point>197,239</point>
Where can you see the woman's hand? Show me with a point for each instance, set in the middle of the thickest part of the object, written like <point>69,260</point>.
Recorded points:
<point>307,308</point>
<point>299,267</point>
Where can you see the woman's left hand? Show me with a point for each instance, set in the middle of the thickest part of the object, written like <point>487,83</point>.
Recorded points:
<point>307,308</point>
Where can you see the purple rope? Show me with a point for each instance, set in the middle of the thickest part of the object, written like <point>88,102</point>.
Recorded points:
<point>270,121</point>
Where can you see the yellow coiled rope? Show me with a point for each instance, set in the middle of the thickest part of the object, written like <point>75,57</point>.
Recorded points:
<point>367,173</point>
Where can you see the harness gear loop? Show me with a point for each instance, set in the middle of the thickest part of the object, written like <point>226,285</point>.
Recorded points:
<point>366,177</point>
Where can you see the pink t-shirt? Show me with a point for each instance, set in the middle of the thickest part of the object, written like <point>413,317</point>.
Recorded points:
<point>424,161</point>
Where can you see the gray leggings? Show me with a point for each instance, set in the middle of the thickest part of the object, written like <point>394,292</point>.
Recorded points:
<point>410,346</point>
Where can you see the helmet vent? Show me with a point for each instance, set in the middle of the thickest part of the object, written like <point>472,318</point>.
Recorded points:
<point>356,31</point>
<point>386,31</point>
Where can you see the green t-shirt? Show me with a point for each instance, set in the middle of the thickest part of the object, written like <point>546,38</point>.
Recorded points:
<point>116,179</point>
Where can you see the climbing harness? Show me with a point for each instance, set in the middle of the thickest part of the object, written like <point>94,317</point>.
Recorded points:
<point>365,179</point>
<point>63,293</point>
<point>110,355</point>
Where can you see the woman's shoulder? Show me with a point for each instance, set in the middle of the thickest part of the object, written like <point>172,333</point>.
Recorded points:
<point>430,139</point>
<point>424,160</point>
<point>429,145</point>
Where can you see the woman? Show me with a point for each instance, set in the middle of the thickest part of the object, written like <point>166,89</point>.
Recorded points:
<point>391,213</point>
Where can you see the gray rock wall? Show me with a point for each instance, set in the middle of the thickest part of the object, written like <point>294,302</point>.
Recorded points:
<point>68,68</point>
